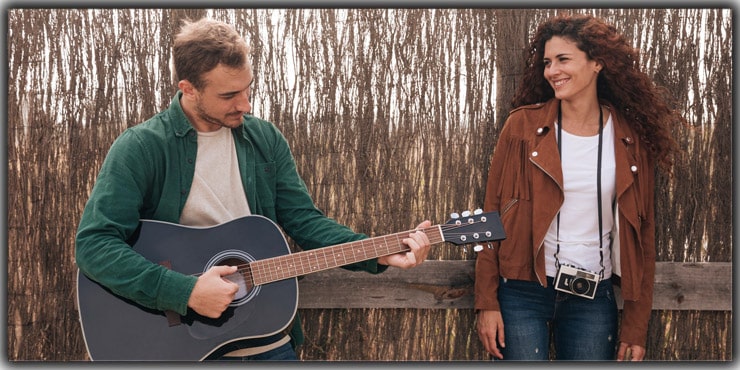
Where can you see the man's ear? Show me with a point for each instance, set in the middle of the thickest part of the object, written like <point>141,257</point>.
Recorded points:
<point>186,87</point>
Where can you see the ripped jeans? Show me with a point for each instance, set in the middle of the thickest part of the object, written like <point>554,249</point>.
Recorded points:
<point>582,329</point>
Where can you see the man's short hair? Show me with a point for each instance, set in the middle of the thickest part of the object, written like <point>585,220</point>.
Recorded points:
<point>204,44</point>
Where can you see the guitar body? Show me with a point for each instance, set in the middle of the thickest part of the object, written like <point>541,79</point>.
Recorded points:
<point>115,328</point>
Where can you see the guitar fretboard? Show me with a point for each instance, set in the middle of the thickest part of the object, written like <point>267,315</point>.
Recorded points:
<point>306,262</point>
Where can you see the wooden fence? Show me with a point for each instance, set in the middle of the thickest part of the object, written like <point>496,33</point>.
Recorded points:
<point>705,286</point>
<point>439,295</point>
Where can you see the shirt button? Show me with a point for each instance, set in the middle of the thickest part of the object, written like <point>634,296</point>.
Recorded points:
<point>534,154</point>
<point>539,131</point>
<point>633,169</point>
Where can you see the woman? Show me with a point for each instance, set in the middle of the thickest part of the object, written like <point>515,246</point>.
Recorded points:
<point>573,176</point>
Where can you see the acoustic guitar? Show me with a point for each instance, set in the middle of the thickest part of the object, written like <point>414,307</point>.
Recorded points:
<point>116,328</point>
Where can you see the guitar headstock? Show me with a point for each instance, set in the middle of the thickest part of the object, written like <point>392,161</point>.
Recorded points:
<point>473,228</point>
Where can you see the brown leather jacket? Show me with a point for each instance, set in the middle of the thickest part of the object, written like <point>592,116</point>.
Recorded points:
<point>525,185</point>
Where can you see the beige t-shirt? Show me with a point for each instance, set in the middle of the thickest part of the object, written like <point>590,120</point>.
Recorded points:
<point>217,194</point>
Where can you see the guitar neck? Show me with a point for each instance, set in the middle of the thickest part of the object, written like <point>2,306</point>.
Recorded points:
<point>315,260</point>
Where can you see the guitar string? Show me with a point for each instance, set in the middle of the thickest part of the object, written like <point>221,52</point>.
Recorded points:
<point>350,246</point>
<point>247,272</point>
<point>345,254</point>
<point>270,272</point>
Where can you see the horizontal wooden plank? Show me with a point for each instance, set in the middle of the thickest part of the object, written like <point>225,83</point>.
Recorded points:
<point>449,284</point>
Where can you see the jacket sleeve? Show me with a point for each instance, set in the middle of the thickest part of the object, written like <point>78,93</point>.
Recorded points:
<point>297,214</point>
<point>636,313</point>
<point>110,218</point>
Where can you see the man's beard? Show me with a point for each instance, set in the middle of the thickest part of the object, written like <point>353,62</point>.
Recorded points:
<point>210,119</point>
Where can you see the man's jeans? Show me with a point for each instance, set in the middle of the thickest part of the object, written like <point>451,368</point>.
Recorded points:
<point>582,329</point>
<point>282,353</point>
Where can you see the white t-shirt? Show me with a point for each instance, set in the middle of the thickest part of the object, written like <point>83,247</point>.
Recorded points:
<point>217,194</point>
<point>579,219</point>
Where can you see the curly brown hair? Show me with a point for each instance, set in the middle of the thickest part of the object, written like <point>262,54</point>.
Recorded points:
<point>621,81</point>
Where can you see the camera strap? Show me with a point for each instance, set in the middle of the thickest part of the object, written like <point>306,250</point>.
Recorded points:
<point>598,188</point>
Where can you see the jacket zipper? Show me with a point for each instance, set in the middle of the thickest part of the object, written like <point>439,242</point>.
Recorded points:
<point>508,206</point>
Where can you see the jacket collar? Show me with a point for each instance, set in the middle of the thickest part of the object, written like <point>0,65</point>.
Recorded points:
<point>180,122</point>
<point>624,148</point>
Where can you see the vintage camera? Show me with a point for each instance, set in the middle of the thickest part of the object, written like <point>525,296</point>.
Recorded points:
<point>576,281</point>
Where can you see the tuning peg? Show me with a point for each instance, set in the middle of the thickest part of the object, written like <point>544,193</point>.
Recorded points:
<point>478,248</point>
<point>477,211</point>
<point>454,215</point>
<point>466,213</point>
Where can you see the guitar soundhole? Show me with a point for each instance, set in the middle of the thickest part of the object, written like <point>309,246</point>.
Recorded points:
<point>242,277</point>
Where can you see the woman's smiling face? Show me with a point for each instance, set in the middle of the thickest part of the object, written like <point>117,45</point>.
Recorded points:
<point>568,69</point>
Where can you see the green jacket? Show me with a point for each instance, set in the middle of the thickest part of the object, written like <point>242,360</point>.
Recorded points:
<point>147,174</point>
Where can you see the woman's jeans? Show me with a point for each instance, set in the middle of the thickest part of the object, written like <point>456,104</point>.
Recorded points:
<point>582,329</point>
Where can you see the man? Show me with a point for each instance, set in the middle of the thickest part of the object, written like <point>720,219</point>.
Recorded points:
<point>204,162</point>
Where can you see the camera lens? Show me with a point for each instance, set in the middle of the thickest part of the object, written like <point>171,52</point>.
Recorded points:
<point>580,286</point>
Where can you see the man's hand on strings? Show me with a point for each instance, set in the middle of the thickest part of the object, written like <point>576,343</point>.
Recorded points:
<point>419,244</point>
<point>213,293</point>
